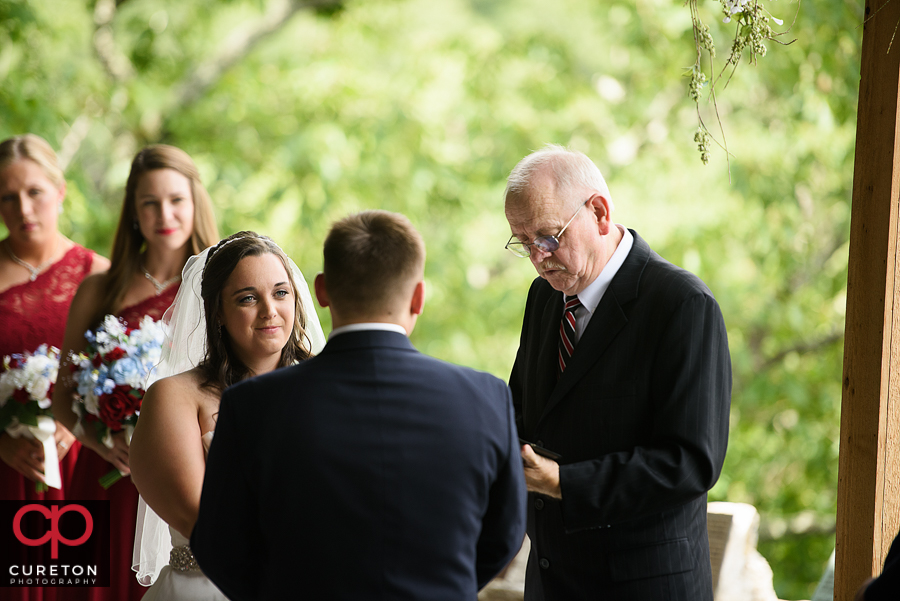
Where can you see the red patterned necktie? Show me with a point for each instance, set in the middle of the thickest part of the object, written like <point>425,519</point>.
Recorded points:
<point>567,332</point>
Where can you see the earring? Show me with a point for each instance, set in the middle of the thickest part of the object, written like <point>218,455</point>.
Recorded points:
<point>60,208</point>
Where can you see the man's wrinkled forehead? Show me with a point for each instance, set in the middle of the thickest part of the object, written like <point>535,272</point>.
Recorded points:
<point>536,209</point>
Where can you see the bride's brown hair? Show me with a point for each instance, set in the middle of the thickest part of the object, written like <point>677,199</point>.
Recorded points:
<point>221,368</point>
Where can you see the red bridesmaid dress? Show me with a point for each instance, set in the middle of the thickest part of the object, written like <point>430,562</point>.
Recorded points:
<point>32,314</point>
<point>122,495</point>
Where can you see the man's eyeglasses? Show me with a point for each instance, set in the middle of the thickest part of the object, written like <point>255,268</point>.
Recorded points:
<point>547,244</point>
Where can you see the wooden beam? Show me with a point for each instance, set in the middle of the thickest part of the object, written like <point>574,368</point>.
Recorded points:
<point>868,511</point>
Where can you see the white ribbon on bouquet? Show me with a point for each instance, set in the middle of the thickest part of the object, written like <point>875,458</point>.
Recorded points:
<point>44,433</point>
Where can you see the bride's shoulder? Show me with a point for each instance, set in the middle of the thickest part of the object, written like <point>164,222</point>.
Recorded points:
<point>182,389</point>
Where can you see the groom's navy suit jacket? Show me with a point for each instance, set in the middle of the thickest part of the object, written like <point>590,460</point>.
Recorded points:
<point>368,472</point>
<point>640,417</point>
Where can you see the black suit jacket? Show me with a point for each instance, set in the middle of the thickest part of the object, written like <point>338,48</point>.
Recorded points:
<point>368,472</point>
<point>640,417</point>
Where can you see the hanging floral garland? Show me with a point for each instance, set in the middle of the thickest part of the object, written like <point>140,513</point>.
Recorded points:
<point>752,31</point>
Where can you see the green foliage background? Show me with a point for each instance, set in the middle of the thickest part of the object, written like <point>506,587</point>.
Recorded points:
<point>423,107</point>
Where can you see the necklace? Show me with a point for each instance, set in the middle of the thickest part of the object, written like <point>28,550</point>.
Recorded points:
<point>34,271</point>
<point>160,286</point>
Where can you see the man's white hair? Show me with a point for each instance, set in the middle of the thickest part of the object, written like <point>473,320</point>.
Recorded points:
<point>571,171</point>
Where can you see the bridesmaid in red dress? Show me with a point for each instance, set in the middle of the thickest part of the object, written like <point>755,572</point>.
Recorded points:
<point>40,269</point>
<point>166,217</point>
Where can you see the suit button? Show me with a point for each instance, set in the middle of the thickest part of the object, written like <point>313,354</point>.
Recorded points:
<point>538,504</point>
<point>545,563</point>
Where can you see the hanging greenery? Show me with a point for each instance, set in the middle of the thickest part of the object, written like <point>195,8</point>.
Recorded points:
<point>752,30</point>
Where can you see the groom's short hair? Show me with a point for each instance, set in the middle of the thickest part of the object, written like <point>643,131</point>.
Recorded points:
<point>372,260</point>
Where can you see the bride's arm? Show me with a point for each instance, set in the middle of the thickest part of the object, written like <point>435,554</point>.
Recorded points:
<point>166,456</point>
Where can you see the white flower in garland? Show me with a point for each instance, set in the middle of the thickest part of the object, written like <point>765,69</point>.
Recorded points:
<point>732,7</point>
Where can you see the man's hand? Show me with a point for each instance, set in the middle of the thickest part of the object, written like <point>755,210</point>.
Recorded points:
<point>541,474</point>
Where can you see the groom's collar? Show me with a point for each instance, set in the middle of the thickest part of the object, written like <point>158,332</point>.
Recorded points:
<point>367,338</point>
<point>360,327</point>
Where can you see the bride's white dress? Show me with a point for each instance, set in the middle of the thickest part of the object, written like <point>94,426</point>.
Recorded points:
<point>184,581</point>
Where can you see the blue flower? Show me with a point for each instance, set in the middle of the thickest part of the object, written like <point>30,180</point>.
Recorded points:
<point>126,370</point>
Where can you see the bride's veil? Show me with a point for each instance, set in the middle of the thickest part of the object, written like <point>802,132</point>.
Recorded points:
<point>183,349</point>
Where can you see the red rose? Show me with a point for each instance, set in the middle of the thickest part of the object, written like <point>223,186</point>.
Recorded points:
<point>21,396</point>
<point>114,355</point>
<point>14,363</point>
<point>135,396</point>
<point>116,406</point>
<point>97,361</point>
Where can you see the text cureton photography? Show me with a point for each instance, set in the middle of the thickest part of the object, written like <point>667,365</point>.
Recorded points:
<point>52,575</point>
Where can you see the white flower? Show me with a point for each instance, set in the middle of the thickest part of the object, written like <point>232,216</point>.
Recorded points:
<point>110,334</point>
<point>732,7</point>
<point>91,404</point>
<point>34,374</point>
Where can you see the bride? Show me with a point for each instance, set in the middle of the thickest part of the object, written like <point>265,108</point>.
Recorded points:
<point>259,317</point>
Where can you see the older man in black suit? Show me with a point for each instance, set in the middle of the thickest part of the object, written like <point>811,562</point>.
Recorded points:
<point>623,370</point>
<point>370,471</point>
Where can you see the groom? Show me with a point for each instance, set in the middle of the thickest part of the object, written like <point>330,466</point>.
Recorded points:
<point>370,471</point>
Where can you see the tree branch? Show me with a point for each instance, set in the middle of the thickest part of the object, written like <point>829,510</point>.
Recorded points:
<point>117,65</point>
<point>804,276</point>
<point>240,44</point>
<point>72,142</point>
<point>803,347</point>
<point>802,524</point>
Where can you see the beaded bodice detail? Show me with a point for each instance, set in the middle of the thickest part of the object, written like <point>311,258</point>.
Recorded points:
<point>34,313</point>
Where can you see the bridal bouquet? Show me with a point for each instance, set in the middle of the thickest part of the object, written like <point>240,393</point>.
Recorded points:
<point>26,385</point>
<point>111,377</point>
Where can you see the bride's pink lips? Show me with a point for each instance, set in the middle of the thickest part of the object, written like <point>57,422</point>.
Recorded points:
<point>270,329</point>
<point>168,231</point>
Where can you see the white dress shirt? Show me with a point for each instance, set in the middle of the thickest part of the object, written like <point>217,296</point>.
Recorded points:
<point>373,325</point>
<point>590,296</point>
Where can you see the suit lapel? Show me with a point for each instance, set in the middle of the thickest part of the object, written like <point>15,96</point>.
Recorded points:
<point>549,350</point>
<point>608,319</point>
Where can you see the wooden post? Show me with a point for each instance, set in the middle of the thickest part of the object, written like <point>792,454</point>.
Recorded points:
<point>868,510</point>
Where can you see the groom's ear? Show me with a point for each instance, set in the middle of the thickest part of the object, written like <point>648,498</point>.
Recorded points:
<point>321,291</point>
<point>418,299</point>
